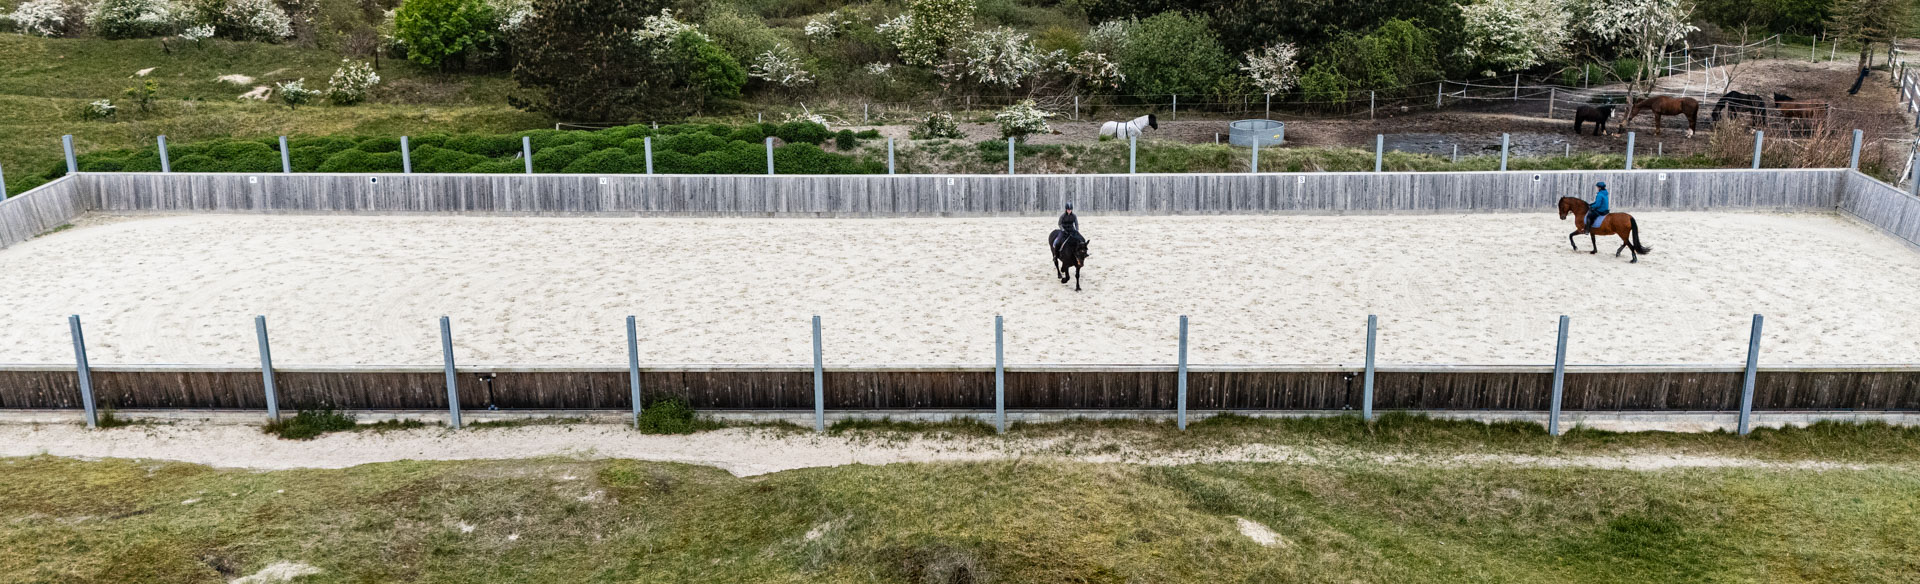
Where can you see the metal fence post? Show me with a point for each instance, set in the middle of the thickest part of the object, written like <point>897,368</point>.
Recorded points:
<point>1133,154</point>
<point>526,151</point>
<point>286,160</point>
<point>1379,150</point>
<point>633,369</point>
<point>453,380</point>
<point>1255,169</point>
<point>1176,106</point>
<point>1559,378</point>
<point>1269,110</point>
<point>769,155</point>
<point>1009,156</point>
<point>863,112</point>
<point>3,183</point>
<point>66,143</point>
<point>1183,373</point>
<point>1759,139</point>
<point>166,165</point>
<point>1456,153</point>
<point>84,370</point>
<point>1504,143</point>
<point>1553,94</point>
<point>889,155</point>
<point>1854,161</point>
<point>999,375</point>
<point>406,156</point>
<point>1366,394</point>
<point>1746,385</point>
<point>647,144</point>
<point>1439,93</point>
<point>1516,87</point>
<point>1629,150</point>
<point>1076,107</point>
<point>819,382</point>
<point>266,368</point>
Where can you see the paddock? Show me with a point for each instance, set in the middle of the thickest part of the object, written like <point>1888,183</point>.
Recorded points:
<point>1482,288</point>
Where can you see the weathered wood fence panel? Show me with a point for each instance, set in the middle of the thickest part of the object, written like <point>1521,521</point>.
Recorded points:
<point>958,195</point>
<point>40,210</point>
<point>1881,204</point>
<point>1088,388</point>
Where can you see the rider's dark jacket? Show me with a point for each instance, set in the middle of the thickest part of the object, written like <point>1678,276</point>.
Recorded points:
<point>1069,223</point>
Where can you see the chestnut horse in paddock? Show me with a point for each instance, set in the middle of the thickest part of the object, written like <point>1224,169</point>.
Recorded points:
<point>1663,106</point>
<point>1812,110</point>
<point>1620,224</point>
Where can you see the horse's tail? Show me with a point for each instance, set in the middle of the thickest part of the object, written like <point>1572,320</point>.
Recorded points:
<point>1634,225</point>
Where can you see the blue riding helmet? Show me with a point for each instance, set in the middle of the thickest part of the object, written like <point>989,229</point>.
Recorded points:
<point>1600,185</point>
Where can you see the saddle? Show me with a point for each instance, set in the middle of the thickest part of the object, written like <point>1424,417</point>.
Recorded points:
<point>1597,219</point>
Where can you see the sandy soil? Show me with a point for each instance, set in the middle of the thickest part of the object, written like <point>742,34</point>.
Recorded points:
<point>743,452</point>
<point>1483,288</point>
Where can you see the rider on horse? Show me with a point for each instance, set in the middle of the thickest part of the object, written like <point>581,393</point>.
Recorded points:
<point>1071,224</point>
<point>1600,206</point>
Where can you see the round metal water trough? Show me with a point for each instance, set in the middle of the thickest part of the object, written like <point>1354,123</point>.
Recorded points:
<point>1265,132</point>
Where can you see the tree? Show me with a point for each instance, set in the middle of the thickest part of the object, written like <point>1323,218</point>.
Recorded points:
<point>439,31</point>
<point>928,29</point>
<point>1642,27</point>
<point>1273,69</point>
<point>704,65</point>
<point>1869,22</point>
<point>1515,34</point>
<point>1397,54</point>
<point>1172,53</point>
<point>583,63</point>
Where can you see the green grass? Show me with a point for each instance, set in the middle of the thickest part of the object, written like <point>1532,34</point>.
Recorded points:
<point>673,416</point>
<point>565,521</point>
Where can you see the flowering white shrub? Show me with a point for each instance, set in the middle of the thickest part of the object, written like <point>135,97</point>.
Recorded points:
<point>805,117</point>
<point>1002,56</point>
<point>1516,34</point>
<point>1095,69</point>
<point>259,20</point>
<point>780,67</point>
<point>46,18</point>
<point>1642,27</point>
<point>351,83</point>
<point>197,33</point>
<point>121,19</point>
<point>937,125</point>
<point>1273,69</point>
<point>99,110</point>
<point>661,30</point>
<point>825,27</point>
<point>509,15</point>
<point>928,29</point>
<point>892,29</point>
<point>879,68</point>
<point>295,93</point>
<point>1022,119</point>
<point>1109,37</point>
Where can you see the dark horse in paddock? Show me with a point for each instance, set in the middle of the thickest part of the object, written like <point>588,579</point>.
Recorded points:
<point>1663,106</point>
<point>1067,253</point>
<point>1596,114</point>
<point>1620,224</point>
<point>1736,103</point>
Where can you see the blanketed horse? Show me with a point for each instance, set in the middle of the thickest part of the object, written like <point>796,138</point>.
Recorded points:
<point>1736,103</point>
<point>1663,106</point>
<point>1067,253</point>
<point>1620,224</point>
<point>1596,114</point>
<point>1131,128</point>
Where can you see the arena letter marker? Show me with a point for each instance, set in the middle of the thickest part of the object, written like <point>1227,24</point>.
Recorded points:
<point>1183,372</point>
<point>266,368</point>
<point>819,382</point>
<point>1746,386</point>
<point>165,164</point>
<point>1366,396</point>
<point>453,381</point>
<point>633,369</point>
<point>83,369</point>
<point>1559,378</point>
<point>999,375</point>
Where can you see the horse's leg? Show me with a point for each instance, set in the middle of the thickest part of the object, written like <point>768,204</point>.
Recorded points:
<point>1627,245</point>
<point>1076,278</point>
<point>1592,241</point>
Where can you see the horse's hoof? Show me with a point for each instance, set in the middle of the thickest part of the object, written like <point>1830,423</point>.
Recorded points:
<point>1594,252</point>
<point>1635,261</point>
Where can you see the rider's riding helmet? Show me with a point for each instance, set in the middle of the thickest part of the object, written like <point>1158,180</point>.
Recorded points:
<point>1600,185</point>
<point>1069,206</point>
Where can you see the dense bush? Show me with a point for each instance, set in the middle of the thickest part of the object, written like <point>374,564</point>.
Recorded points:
<point>125,19</point>
<point>803,133</point>
<point>1172,53</point>
<point>439,33</point>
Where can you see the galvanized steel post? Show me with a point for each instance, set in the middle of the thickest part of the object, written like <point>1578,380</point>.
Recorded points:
<point>1629,150</point>
<point>769,155</point>
<point>1183,373</point>
<point>1366,394</point>
<point>453,381</point>
<point>889,155</point>
<point>633,369</point>
<point>1255,169</point>
<point>3,183</point>
<point>999,375</point>
<point>166,165</point>
<point>1504,143</point>
<point>1133,154</point>
<point>406,156</point>
<point>1559,378</point>
<point>1379,150</point>
<point>66,143</point>
<point>84,370</point>
<point>1076,107</point>
<point>1746,385</point>
<point>1009,156</point>
<point>266,368</point>
<point>1853,162</point>
<point>526,151</point>
<point>286,161</point>
<point>647,144</point>
<point>819,382</point>
<point>1759,138</point>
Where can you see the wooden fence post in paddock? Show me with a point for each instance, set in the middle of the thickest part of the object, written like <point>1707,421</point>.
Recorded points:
<point>1516,87</point>
<point>1759,140</point>
<point>266,368</point>
<point>633,369</point>
<point>1439,94</point>
<point>406,156</point>
<point>286,160</point>
<point>1746,386</point>
<point>1076,107</point>
<point>1504,144</point>
<point>526,152</point>
<point>66,143</point>
<point>166,165</point>
<point>1183,373</point>
<point>1379,150</point>
<point>647,143</point>
<point>863,112</point>
<point>1366,394</point>
<point>453,379</point>
<point>1629,150</point>
<point>1559,378</point>
<point>84,370</point>
<point>1268,112</point>
<point>999,375</point>
<point>889,155</point>
<point>1853,162</point>
<point>1176,106</point>
<point>1370,97</point>
<point>819,381</point>
<point>769,155</point>
<point>1553,94</point>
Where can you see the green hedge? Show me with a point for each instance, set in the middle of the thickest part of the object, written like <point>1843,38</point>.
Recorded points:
<point>678,149</point>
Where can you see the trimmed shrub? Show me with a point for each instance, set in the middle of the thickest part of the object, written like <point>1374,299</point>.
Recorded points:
<point>803,133</point>
<point>608,161</point>
<point>558,157</point>
<point>691,144</point>
<point>379,144</point>
<point>361,161</point>
<point>500,166</point>
<point>844,140</point>
<point>490,146</point>
<point>197,163</point>
<point>868,135</point>
<point>436,159</point>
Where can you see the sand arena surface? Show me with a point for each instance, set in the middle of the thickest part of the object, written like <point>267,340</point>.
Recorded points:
<point>1482,288</point>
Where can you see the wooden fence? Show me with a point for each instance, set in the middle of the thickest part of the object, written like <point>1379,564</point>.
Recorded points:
<point>1881,204</point>
<point>40,210</point>
<point>1493,388</point>
<point>959,195</point>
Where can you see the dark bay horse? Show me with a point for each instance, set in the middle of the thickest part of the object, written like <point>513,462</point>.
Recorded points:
<point>1596,114</point>
<point>1067,253</point>
<point>1663,106</point>
<point>1736,103</point>
<point>1620,224</point>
